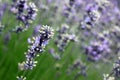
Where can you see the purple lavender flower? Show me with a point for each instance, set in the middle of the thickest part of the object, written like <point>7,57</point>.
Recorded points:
<point>71,2</point>
<point>25,12</point>
<point>36,46</point>
<point>97,50</point>
<point>64,37</point>
<point>61,31</point>
<point>93,14</point>
<point>79,67</point>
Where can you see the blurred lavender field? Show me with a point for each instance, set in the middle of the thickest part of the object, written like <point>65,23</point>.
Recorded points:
<point>59,39</point>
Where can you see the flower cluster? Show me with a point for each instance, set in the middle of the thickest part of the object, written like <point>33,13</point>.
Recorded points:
<point>25,12</point>
<point>97,50</point>
<point>64,37</point>
<point>95,22</point>
<point>107,40</point>
<point>36,46</point>
<point>78,67</point>
<point>92,15</point>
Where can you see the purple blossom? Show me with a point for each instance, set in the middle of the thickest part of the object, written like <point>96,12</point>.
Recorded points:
<point>96,50</point>
<point>36,46</point>
<point>79,67</point>
<point>25,12</point>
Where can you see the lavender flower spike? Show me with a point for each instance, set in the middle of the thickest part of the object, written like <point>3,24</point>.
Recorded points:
<point>36,46</point>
